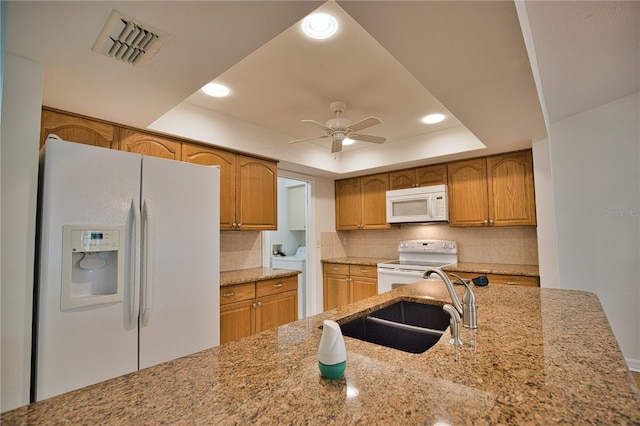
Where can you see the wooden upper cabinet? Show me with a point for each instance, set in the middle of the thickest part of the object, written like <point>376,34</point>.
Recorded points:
<point>361,202</point>
<point>402,179</point>
<point>492,191</point>
<point>205,156</point>
<point>431,175</point>
<point>348,204</point>
<point>511,189</point>
<point>468,200</point>
<point>76,129</point>
<point>248,187</point>
<point>149,144</point>
<point>374,201</point>
<point>421,176</point>
<point>257,194</point>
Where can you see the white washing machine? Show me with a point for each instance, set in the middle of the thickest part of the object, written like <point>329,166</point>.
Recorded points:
<point>296,262</point>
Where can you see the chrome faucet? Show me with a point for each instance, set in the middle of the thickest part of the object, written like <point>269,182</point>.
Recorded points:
<point>468,311</point>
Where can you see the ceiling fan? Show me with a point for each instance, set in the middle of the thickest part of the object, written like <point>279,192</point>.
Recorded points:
<point>340,128</point>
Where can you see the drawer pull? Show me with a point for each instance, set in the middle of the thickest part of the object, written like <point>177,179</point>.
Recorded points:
<point>335,268</point>
<point>228,294</point>
<point>364,270</point>
<point>278,285</point>
<point>512,282</point>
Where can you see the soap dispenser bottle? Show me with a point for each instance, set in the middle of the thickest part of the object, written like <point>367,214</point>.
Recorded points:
<point>332,353</point>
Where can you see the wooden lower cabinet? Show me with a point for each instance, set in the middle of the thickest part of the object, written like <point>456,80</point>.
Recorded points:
<point>336,291</point>
<point>250,308</point>
<point>344,284</point>
<point>503,279</point>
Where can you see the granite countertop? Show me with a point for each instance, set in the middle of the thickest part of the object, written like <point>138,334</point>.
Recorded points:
<point>540,356</point>
<point>494,268</point>
<point>369,261</point>
<point>241,276</point>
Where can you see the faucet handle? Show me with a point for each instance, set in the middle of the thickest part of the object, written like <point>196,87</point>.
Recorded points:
<point>469,311</point>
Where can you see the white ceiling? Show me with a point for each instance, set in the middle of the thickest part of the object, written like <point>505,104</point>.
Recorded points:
<point>395,60</point>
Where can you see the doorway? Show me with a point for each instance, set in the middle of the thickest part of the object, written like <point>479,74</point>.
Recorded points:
<point>286,248</point>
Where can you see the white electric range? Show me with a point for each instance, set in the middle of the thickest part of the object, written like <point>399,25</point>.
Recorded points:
<point>414,257</point>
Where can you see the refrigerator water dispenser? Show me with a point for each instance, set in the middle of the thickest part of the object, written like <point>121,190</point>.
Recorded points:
<point>92,266</point>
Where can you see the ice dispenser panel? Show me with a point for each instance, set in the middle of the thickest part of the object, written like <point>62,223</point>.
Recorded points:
<point>92,265</point>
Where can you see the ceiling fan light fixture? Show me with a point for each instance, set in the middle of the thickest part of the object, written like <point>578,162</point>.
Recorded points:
<point>433,118</point>
<point>319,26</point>
<point>216,90</point>
<point>348,141</point>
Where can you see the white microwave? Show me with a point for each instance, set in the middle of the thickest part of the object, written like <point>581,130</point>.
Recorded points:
<point>418,205</point>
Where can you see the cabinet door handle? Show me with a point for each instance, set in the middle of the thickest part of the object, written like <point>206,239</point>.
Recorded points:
<point>254,305</point>
<point>278,285</point>
<point>228,294</point>
<point>486,222</point>
<point>491,222</point>
<point>259,304</point>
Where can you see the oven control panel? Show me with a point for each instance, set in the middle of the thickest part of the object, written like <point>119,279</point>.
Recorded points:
<point>427,246</point>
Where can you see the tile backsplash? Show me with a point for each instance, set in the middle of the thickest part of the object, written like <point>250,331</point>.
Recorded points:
<point>510,245</point>
<point>240,250</point>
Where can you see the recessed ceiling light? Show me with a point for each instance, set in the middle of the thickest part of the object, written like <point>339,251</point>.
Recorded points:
<point>319,25</point>
<point>433,118</point>
<point>216,90</point>
<point>348,141</point>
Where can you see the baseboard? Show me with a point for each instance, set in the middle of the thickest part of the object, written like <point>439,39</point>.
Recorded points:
<point>634,364</point>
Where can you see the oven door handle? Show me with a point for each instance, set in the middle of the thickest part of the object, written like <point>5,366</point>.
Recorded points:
<point>407,273</point>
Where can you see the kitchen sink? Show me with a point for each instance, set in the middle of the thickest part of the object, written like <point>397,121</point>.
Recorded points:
<point>406,326</point>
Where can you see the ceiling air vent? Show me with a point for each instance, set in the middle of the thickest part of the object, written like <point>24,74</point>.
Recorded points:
<point>128,40</point>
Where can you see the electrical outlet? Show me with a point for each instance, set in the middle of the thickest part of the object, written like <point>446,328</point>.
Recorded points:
<point>344,241</point>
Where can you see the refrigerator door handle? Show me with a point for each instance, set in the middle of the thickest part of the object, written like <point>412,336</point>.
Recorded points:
<point>148,264</point>
<point>133,284</point>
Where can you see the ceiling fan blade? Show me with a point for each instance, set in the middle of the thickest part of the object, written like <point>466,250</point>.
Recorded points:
<point>318,124</point>
<point>336,146</point>
<point>309,139</point>
<point>364,123</point>
<point>368,138</point>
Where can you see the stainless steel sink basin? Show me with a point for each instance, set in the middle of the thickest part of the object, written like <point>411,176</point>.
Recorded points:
<point>406,326</point>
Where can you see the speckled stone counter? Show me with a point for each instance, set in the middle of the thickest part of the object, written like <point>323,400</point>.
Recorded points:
<point>540,356</point>
<point>494,268</point>
<point>241,276</point>
<point>369,261</point>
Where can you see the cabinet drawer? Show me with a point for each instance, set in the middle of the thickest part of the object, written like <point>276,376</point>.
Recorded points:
<point>363,271</point>
<point>501,279</point>
<point>277,285</point>
<point>514,280</point>
<point>237,293</point>
<point>336,268</point>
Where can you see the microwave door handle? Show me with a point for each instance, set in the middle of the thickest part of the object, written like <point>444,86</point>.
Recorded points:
<point>430,207</point>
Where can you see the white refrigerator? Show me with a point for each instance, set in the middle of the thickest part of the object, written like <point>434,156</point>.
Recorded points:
<point>128,264</point>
